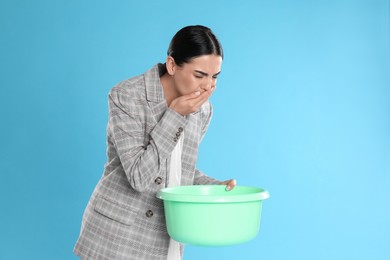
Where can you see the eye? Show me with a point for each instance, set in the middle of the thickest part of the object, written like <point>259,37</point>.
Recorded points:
<point>198,76</point>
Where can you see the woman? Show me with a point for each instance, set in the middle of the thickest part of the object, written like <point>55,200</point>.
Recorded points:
<point>156,122</point>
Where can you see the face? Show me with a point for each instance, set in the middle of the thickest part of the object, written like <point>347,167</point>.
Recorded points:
<point>200,74</point>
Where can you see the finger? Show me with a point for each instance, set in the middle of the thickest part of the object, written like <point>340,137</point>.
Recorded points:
<point>198,94</point>
<point>231,184</point>
<point>186,97</point>
<point>192,95</point>
<point>194,100</point>
<point>203,98</point>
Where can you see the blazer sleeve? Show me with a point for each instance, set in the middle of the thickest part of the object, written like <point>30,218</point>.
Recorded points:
<point>142,162</point>
<point>201,178</point>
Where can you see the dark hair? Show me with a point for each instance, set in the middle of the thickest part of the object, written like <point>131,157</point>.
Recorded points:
<point>193,41</point>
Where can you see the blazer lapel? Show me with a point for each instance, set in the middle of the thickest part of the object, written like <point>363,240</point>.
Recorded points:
<point>154,92</point>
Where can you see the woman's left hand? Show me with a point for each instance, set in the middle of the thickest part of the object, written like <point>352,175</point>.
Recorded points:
<point>230,184</point>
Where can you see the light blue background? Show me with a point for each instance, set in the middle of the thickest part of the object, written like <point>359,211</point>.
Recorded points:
<point>302,109</point>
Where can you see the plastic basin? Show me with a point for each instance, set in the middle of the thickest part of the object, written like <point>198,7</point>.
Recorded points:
<point>208,215</point>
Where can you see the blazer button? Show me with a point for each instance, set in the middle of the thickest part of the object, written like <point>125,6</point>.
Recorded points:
<point>180,129</point>
<point>177,134</point>
<point>149,213</point>
<point>175,139</point>
<point>158,180</point>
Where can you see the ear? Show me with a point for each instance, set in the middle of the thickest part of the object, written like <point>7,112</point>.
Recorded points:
<point>171,65</point>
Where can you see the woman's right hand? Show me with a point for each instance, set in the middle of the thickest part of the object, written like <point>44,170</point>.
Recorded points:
<point>190,103</point>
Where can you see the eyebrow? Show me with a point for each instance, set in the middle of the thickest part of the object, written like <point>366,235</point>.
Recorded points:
<point>206,74</point>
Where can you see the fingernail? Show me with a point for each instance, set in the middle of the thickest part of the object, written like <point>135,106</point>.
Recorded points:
<point>228,188</point>
<point>197,93</point>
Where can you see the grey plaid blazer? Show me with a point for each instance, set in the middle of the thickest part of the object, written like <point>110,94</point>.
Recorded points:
<point>123,218</point>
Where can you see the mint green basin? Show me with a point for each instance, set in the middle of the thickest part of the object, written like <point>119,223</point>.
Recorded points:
<point>208,215</point>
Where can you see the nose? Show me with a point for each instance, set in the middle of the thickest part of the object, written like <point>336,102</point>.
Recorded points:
<point>209,84</point>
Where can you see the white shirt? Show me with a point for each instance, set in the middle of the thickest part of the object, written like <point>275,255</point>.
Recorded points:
<point>174,180</point>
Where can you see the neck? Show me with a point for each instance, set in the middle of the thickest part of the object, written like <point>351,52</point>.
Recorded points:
<point>168,85</point>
